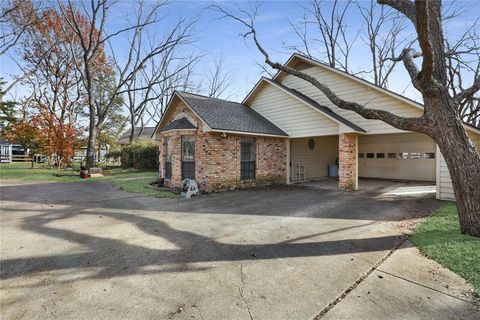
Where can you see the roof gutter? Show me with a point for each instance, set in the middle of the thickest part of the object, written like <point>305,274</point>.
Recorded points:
<point>249,133</point>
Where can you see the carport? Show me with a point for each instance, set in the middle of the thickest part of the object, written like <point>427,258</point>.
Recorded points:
<point>311,156</point>
<point>396,156</point>
<point>319,134</point>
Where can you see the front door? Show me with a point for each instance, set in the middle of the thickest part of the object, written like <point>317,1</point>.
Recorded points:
<point>188,157</point>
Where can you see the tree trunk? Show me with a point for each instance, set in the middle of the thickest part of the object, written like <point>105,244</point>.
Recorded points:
<point>131,139</point>
<point>463,162</point>
<point>99,151</point>
<point>90,158</point>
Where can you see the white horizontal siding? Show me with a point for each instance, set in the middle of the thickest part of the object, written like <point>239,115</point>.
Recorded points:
<point>291,115</point>
<point>315,160</point>
<point>351,90</point>
<point>444,180</point>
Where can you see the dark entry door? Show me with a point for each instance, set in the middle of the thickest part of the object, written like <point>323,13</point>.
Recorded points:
<point>188,157</point>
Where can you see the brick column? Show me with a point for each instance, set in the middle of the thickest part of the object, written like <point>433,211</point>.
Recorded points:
<point>161,157</point>
<point>348,162</point>
<point>176,181</point>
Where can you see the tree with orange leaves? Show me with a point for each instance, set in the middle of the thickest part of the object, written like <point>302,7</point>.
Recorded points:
<point>23,132</point>
<point>57,140</point>
<point>51,55</point>
<point>42,133</point>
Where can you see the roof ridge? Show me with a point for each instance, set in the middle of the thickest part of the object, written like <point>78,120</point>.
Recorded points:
<point>356,77</point>
<point>389,91</point>
<point>207,97</point>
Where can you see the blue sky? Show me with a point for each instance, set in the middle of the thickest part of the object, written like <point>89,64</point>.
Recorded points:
<point>221,37</point>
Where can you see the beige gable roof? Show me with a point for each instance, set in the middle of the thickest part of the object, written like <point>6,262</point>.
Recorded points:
<point>325,111</point>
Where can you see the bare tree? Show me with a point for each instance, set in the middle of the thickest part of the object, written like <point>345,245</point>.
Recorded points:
<point>441,119</point>
<point>17,19</point>
<point>12,33</point>
<point>328,21</point>
<point>219,80</point>
<point>93,45</point>
<point>166,67</point>
<point>463,59</point>
<point>179,81</point>
<point>381,35</point>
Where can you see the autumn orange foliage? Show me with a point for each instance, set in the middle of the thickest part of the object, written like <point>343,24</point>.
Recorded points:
<point>43,133</point>
<point>53,51</point>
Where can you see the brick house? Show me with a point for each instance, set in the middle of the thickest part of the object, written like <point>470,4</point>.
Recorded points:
<point>221,144</point>
<point>287,131</point>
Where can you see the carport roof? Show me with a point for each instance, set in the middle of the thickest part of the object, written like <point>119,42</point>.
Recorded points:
<point>227,115</point>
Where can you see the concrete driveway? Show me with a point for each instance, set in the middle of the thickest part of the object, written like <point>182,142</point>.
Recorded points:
<point>89,251</point>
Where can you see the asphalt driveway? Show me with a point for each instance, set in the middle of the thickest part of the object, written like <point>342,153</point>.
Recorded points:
<point>90,251</point>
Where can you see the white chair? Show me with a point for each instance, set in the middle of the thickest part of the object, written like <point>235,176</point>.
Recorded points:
<point>301,173</point>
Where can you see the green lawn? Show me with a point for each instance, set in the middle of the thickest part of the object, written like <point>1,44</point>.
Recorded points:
<point>439,238</point>
<point>131,180</point>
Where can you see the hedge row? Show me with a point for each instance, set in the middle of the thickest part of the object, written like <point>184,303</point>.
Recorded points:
<point>141,155</point>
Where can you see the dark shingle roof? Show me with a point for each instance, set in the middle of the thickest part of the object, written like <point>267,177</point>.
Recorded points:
<point>230,116</point>
<point>179,124</point>
<point>146,134</point>
<point>313,103</point>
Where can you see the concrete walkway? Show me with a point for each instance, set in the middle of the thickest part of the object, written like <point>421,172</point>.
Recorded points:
<point>89,251</point>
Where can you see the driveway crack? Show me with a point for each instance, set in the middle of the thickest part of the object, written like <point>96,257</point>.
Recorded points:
<point>359,280</point>
<point>240,290</point>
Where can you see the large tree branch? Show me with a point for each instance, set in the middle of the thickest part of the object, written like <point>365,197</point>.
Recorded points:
<point>409,124</point>
<point>459,97</point>
<point>407,57</point>
<point>404,6</point>
<point>402,123</point>
<point>423,31</point>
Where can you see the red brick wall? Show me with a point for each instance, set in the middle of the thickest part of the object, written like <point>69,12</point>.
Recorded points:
<point>347,158</point>
<point>271,160</point>
<point>176,139</point>
<point>219,168</point>
<point>218,160</point>
<point>217,157</point>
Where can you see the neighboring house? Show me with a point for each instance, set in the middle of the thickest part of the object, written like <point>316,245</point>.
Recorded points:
<point>5,151</point>
<point>286,130</point>
<point>144,135</point>
<point>10,152</point>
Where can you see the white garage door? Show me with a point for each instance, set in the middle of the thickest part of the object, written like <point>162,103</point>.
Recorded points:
<point>405,156</point>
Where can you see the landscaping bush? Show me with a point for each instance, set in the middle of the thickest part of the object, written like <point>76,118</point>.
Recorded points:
<point>140,155</point>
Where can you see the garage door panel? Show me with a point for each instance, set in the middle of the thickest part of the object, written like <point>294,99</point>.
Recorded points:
<point>421,168</point>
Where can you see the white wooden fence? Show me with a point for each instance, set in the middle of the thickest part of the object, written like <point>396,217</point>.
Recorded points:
<point>6,153</point>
